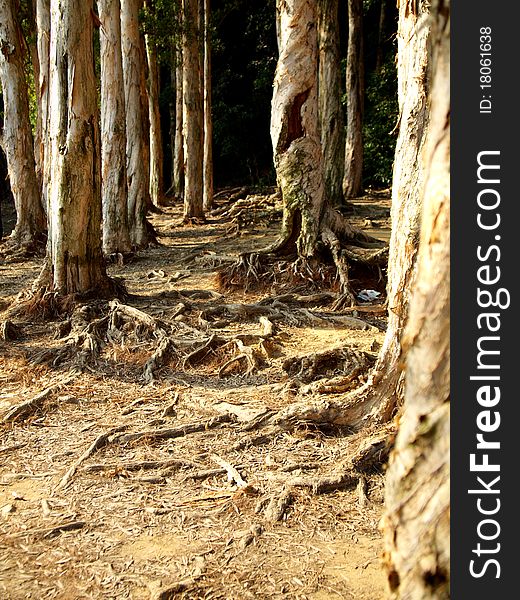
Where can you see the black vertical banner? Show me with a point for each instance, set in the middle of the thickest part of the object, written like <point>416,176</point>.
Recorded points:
<point>485,331</point>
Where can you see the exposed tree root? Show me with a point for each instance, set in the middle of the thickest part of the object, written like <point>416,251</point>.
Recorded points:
<point>9,331</point>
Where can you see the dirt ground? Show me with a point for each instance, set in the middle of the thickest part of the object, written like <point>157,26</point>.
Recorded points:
<point>87,510</point>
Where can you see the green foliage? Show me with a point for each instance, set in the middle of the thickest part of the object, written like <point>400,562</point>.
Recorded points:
<point>379,130</point>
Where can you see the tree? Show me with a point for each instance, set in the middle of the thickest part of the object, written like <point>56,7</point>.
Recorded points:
<point>75,261</point>
<point>329,98</point>
<point>208,122</point>
<point>43,27</point>
<point>156,145</point>
<point>417,523</point>
<point>193,126</point>
<point>137,125</point>
<point>114,191</point>
<point>178,141</point>
<point>16,136</point>
<point>355,85</point>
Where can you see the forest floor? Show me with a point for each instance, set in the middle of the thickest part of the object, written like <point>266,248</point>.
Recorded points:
<point>220,510</point>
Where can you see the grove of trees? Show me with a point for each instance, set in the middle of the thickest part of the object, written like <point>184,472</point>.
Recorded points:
<point>112,109</point>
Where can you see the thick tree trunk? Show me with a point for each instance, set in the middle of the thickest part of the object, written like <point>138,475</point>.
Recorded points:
<point>156,146</point>
<point>208,120</point>
<point>74,248</point>
<point>178,145</point>
<point>43,27</point>
<point>137,126</point>
<point>193,126</point>
<point>114,191</point>
<point>294,126</point>
<point>355,86</point>
<point>329,98</point>
<point>17,136</point>
<point>417,524</point>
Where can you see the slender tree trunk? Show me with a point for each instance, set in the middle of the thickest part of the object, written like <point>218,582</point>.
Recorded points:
<point>74,248</point>
<point>193,126</point>
<point>156,147</point>
<point>208,120</point>
<point>114,191</point>
<point>17,139</point>
<point>330,109</point>
<point>43,26</point>
<point>380,36</point>
<point>417,523</point>
<point>137,126</point>
<point>355,86</point>
<point>178,146</point>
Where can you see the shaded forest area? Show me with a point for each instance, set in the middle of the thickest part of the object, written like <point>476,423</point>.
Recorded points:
<point>224,308</point>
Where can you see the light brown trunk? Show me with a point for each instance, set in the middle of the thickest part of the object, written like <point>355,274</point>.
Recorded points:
<point>330,110</point>
<point>178,146</point>
<point>156,147</point>
<point>114,192</point>
<point>43,26</point>
<point>417,523</point>
<point>74,248</point>
<point>208,121</point>
<point>17,139</point>
<point>193,126</point>
<point>294,125</point>
<point>355,86</point>
<point>137,130</point>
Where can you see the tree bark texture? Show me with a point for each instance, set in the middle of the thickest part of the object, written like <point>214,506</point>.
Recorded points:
<point>417,524</point>
<point>294,125</point>
<point>329,98</point>
<point>208,120</point>
<point>114,191</point>
<point>178,146</point>
<point>17,139</point>
<point>74,248</point>
<point>137,125</point>
<point>43,27</point>
<point>156,145</point>
<point>193,107</point>
<point>355,86</point>
<point>406,189</point>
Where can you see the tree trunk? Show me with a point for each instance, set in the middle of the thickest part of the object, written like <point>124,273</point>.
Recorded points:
<point>355,85</point>
<point>294,126</point>
<point>156,147</point>
<point>193,126</point>
<point>43,26</point>
<point>114,192</point>
<point>329,98</point>
<point>74,248</point>
<point>380,36</point>
<point>17,136</point>
<point>417,523</point>
<point>137,130</point>
<point>178,146</point>
<point>208,120</point>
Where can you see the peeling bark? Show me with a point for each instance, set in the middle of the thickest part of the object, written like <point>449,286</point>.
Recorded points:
<point>329,98</point>
<point>17,139</point>
<point>417,523</point>
<point>74,249</point>
<point>355,85</point>
<point>114,191</point>
<point>137,125</point>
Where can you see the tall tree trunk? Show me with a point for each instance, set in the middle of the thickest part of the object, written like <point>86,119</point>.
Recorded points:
<point>208,120</point>
<point>294,125</point>
<point>178,145</point>
<point>156,146</point>
<point>355,86</point>
<point>193,126</point>
<point>417,523</point>
<point>43,27</point>
<point>114,191</point>
<point>380,36</point>
<point>137,129</point>
<point>329,98</point>
<point>74,248</point>
<point>17,136</point>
